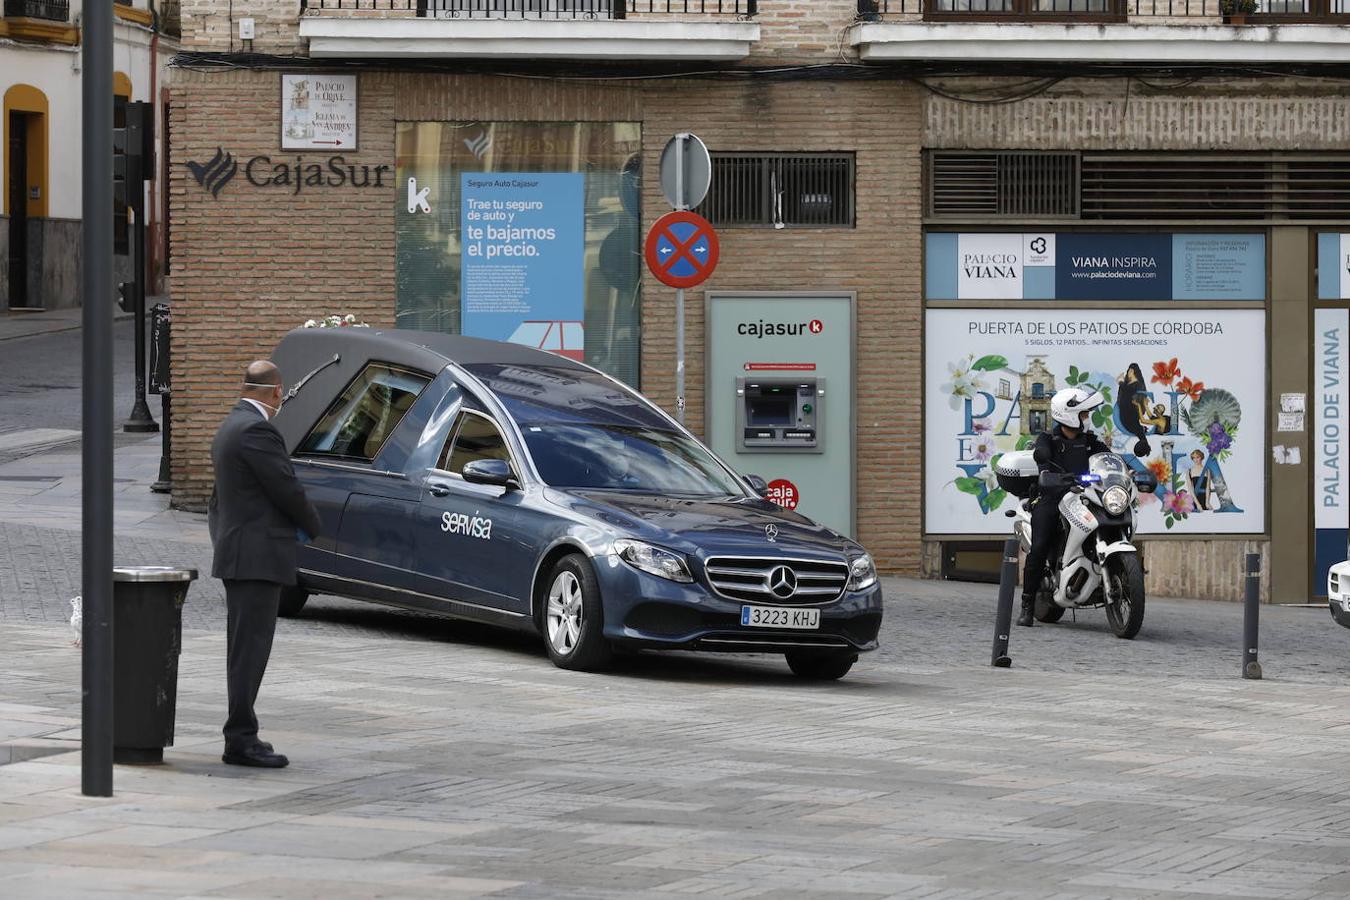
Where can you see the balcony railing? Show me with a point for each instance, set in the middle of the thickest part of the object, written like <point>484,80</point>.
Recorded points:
<point>542,9</point>
<point>1266,12</point>
<point>51,10</point>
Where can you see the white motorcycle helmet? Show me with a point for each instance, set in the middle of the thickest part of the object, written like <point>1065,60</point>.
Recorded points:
<point>1069,406</point>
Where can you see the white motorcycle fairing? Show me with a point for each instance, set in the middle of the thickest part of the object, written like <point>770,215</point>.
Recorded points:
<point>1081,523</point>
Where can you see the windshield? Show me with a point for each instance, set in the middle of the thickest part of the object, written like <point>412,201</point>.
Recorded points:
<point>1111,470</point>
<point>627,458</point>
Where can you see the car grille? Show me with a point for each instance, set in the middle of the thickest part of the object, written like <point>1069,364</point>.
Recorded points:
<point>755,579</point>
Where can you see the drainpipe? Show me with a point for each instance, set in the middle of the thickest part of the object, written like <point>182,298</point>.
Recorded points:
<point>153,258</point>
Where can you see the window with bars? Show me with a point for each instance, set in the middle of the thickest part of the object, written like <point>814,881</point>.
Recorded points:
<point>781,190</point>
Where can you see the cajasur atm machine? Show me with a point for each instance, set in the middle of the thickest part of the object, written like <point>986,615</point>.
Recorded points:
<point>780,396</point>
<point>780,414</point>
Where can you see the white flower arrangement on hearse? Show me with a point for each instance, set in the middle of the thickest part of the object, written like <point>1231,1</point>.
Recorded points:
<point>336,321</point>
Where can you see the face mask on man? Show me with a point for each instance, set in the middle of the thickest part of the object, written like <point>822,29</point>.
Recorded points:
<point>275,409</point>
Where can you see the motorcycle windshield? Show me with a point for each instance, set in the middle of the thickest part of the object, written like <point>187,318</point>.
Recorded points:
<point>1111,470</point>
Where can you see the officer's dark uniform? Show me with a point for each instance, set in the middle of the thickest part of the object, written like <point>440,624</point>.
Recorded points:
<point>1054,452</point>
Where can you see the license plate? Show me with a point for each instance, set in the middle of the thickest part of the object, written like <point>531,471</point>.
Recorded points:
<point>779,617</point>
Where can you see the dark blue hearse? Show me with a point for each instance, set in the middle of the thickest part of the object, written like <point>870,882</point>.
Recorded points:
<point>494,482</point>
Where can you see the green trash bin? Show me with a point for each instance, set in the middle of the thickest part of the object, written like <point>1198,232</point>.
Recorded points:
<point>147,638</point>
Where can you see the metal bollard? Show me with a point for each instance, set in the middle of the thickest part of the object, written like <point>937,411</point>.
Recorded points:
<point>1007,586</point>
<point>1251,618</point>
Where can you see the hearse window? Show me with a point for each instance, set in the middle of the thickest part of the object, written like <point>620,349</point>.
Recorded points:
<point>475,438</point>
<point>364,416</point>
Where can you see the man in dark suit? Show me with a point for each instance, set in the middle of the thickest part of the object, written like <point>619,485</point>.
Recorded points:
<point>258,511</point>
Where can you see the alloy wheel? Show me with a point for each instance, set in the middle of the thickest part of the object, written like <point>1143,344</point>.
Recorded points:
<point>564,613</point>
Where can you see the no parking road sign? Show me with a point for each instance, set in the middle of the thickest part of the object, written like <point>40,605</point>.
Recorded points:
<point>682,249</point>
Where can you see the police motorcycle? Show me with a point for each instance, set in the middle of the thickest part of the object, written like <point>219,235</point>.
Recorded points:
<point>1093,562</point>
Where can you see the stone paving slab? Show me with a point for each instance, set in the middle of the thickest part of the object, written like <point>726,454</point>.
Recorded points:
<point>467,765</point>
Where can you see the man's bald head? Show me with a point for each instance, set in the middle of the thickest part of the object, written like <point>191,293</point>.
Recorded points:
<point>262,372</point>
<point>262,382</point>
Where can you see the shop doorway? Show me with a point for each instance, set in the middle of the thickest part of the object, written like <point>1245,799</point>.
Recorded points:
<point>17,192</point>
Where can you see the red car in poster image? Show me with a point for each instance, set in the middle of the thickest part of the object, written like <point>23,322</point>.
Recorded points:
<point>561,336</point>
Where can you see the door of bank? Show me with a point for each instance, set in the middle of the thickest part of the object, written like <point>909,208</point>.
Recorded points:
<point>780,372</point>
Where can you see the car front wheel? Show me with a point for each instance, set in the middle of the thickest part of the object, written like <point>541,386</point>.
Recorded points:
<point>573,617</point>
<point>818,666</point>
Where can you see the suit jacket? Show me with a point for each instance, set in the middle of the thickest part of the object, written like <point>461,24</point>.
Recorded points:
<point>258,503</point>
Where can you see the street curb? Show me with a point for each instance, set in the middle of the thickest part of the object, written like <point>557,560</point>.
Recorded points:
<point>118,316</point>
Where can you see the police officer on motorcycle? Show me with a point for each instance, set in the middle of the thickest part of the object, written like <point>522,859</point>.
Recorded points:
<point>1066,447</point>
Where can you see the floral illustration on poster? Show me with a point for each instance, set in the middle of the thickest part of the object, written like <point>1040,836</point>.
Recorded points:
<point>1182,398</point>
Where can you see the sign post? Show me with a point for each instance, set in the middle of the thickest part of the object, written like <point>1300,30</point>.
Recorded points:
<point>686,173</point>
<point>96,708</point>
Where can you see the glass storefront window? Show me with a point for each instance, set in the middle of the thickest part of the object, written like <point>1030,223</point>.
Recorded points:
<point>518,257</point>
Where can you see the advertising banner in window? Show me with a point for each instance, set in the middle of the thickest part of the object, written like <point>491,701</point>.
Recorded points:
<point>523,259</point>
<point>1094,266</point>
<point>1333,266</point>
<point>1331,442</point>
<point>523,231</point>
<point>1185,399</point>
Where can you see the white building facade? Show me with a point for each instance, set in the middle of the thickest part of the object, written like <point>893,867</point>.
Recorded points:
<point>40,82</point>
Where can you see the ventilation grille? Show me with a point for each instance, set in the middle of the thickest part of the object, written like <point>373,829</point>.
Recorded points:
<point>1123,186</point>
<point>1003,184</point>
<point>780,190</point>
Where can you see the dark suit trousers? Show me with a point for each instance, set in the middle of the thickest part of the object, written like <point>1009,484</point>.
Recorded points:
<point>252,609</point>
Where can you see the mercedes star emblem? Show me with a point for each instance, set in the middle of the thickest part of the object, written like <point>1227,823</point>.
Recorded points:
<point>771,532</point>
<point>782,582</point>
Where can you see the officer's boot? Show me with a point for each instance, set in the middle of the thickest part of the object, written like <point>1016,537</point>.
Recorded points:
<point>1027,616</point>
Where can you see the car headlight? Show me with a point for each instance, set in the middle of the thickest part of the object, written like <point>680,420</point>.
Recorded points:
<point>654,560</point>
<point>1116,500</point>
<point>862,573</point>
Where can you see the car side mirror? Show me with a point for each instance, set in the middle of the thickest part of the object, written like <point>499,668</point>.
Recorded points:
<point>496,472</point>
<point>758,485</point>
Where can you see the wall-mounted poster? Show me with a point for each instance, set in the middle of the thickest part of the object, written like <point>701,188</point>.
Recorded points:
<point>1333,266</point>
<point>523,259</point>
<point>1185,399</point>
<point>318,112</point>
<point>1331,442</point>
<point>1094,265</point>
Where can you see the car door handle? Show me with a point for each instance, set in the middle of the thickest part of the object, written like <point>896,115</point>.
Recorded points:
<point>439,490</point>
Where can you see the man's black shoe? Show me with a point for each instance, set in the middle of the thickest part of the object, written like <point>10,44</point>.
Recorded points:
<point>1027,617</point>
<point>257,756</point>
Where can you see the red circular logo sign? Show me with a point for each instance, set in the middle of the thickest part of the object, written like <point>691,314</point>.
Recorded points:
<point>784,493</point>
<point>816,326</point>
<point>681,249</point>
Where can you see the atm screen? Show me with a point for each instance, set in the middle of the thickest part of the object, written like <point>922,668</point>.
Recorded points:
<point>771,410</point>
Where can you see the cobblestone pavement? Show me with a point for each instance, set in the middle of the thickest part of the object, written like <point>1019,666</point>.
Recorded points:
<point>929,626</point>
<point>432,758</point>
<point>466,765</point>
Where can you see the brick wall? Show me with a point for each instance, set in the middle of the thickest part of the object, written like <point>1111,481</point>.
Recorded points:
<point>805,30</point>
<point>212,25</point>
<point>879,259</point>
<point>1119,114</point>
<point>255,262</point>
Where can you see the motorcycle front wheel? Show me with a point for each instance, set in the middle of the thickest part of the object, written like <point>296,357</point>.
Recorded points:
<point>1126,613</point>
